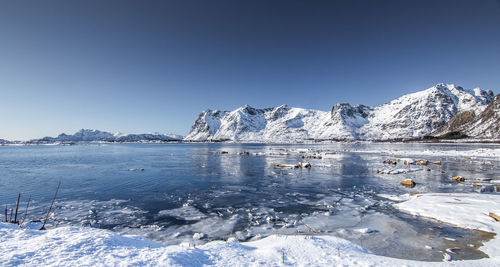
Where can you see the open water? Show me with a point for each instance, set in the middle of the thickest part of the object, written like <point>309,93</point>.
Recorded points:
<point>174,193</point>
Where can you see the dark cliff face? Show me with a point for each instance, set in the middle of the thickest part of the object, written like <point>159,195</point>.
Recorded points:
<point>345,111</point>
<point>455,125</point>
<point>491,117</point>
<point>467,124</point>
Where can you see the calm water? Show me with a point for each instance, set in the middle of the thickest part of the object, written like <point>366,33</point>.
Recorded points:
<point>175,193</point>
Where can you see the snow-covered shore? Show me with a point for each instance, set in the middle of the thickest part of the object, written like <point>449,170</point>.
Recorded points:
<point>470,211</point>
<point>83,246</point>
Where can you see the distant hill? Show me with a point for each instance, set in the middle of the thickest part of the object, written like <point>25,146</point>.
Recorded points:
<point>88,135</point>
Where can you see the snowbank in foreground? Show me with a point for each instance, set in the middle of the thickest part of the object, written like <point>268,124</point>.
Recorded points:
<point>463,210</point>
<point>74,246</point>
<point>82,246</point>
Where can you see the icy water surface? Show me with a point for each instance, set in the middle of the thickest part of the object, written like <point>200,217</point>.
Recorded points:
<point>174,193</point>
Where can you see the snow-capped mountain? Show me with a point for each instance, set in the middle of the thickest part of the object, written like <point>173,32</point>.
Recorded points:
<point>87,135</point>
<point>4,142</point>
<point>469,124</point>
<point>418,114</point>
<point>281,124</point>
<point>412,115</point>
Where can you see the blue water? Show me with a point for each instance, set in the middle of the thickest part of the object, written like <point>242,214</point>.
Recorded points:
<point>168,192</point>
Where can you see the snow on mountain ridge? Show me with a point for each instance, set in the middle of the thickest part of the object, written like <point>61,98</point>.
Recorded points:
<point>420,113</point>
<point>89,135</point>
<point>469,124</point>
<point>411,115</point>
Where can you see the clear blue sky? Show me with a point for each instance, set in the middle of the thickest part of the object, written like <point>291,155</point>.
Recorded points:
<point>146,66</point>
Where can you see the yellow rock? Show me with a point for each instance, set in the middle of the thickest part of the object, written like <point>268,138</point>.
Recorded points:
<point>458,178</point>
<point>437,162</point>
<point>494,216</point>
<point>283,165</point>
<point>408,182</point>
<point>475,185</point>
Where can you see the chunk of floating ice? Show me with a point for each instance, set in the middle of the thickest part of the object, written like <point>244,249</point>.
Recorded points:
<point>407,161</point>
<point>187,213</point>
<point>398,171</point>
<point>398,198</point>
<point>198,236</point>
<point>365,230</point>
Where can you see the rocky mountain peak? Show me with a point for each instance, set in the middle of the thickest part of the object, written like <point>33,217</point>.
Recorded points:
<point>409,116</point>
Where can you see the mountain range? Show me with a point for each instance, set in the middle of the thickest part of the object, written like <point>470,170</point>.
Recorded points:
<point>88,135</point>
<point>442,111</point>
<point>410,116</point>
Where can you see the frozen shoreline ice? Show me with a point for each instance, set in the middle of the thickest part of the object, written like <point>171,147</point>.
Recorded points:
<point>470,211</point>
<point>90,246</point>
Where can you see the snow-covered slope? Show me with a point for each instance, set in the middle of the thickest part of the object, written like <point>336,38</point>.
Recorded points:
<point>280,124</point>
<point>87,135</point>
<point>418,114</point>
<point>470,124</point>
<point>412,115</point>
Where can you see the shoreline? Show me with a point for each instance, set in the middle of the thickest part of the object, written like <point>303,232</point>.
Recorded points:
<point>86,246</point>
<point>305,142</point>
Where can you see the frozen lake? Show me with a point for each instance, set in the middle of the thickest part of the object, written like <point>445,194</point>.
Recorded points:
<point>174,193</point>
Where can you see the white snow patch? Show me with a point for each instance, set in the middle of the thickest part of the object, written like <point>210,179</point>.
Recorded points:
<point>469,211</point>
<point>82,246</point>
<point>397,198</point>
<point>187,213</point>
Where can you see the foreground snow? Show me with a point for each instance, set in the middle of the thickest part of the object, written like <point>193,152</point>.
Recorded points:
<point>89,246</point>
